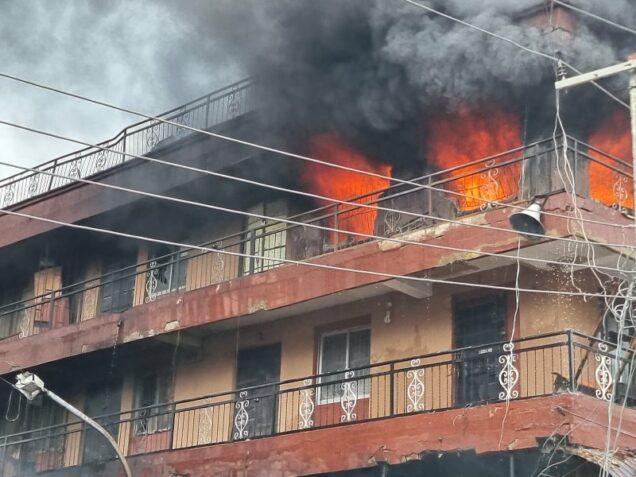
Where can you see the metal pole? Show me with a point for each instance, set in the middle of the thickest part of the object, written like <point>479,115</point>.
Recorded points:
<point>571,370</point>
<point>632,108</point>
<point>93,424</point>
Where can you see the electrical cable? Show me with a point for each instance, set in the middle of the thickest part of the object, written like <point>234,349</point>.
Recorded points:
<point>517,44</point>
<point>301,262</point>
<point>596,17</point>
<point>302,193</point>
<point>306,224</point>
<point>249,144</point>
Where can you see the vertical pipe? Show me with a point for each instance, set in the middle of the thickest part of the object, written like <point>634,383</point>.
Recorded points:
<point>571,360</point>
<point>392,390</point>
<point>632,108</point>
<point>511,465</point>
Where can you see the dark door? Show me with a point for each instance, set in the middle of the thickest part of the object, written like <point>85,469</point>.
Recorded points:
<point>102,399</point>
<point>118,286</point>
<point>479,322</point>
<point>256,408</point>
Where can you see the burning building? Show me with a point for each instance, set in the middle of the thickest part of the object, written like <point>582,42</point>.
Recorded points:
<point>360,307</point>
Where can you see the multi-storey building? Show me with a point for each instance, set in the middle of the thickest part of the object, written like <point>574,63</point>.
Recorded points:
<point>470,349</point>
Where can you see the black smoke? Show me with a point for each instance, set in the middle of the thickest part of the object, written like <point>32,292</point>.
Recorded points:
<point>376,70</point>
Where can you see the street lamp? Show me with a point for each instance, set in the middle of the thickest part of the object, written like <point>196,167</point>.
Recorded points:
<point>31,386</point>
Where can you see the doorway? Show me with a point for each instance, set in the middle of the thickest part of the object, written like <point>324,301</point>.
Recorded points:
<point>257,367</point>
<point>479,322</point>
<point>102,399</point>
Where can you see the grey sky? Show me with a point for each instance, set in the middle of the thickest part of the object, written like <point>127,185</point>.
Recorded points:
<point>138,53</point>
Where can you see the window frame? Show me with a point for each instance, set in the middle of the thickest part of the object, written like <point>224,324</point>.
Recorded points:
<point>320,399</point>
<point>163,407</point>
<point>177,258</point>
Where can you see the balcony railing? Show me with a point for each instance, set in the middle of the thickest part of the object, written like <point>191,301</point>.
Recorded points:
<point>514,175</point>
<point>532,367</point>
<point>139,139</point>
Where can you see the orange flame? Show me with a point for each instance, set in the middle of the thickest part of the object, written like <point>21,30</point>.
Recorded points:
<point>469,135</point>
<point>606,185</point>
<point>344,185</point>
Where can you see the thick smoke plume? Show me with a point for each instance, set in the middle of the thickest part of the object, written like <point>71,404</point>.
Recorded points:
<point>375,71</point>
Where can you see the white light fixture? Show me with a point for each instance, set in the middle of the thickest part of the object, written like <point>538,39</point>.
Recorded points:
<point>29,385</point>
<point>528,221</point>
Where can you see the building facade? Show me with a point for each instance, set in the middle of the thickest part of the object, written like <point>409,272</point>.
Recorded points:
<point>425,336</point>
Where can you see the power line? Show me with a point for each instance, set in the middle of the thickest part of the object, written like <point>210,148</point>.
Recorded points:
<point>305,224</point>
<point>596,17</point>
<point>260,147</point>
<point>302,262</point>
<point>518,45</point>
<point>305,194</point>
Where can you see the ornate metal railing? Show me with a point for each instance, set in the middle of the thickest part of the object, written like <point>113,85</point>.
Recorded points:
<point>140,138</point>
<point>510,176</point>
<point>525,368</point>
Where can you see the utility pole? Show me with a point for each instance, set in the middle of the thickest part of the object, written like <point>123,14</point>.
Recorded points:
<point>629,65</point>
<point>30,386</point>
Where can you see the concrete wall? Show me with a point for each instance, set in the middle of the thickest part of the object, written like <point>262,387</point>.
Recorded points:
<point>401,327</point>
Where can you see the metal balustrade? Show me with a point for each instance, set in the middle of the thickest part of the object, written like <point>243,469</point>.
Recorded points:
<point>507,177</point>
<point>536,366</point>
<point>138,139</point>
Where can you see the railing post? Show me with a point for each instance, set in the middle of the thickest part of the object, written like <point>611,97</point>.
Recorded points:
<point>53,169</point>
<point>207,111</point>
<point>392,389</point>
<point>4,456</point>
<point>337,233</point>
<point>430,196</point>
<point>571,361</point>
<point>123,147</point>
<point>173,419</point>
<point>51,309</point>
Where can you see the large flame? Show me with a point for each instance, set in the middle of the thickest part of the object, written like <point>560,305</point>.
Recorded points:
<point>469,135</point>
<point>344,185</point>
<point>606,185</point>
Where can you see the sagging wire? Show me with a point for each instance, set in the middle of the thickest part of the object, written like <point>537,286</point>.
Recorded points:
<point>15,417</point>
<point>510,345</point>
<point>619,311</point>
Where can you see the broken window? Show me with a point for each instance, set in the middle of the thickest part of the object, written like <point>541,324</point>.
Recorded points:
<point>167,271</point>
<point>152,394</point>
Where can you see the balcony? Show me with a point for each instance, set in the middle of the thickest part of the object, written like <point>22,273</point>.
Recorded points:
<point>538,366</point>
<point>139,139</point>
<point>511,177</point>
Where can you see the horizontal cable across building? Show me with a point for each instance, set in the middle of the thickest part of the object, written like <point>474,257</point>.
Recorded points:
<point>321,227</point>
<point>182,126</point>
<point>544,365</point>
<point>316,196</point>
<point>309,264</point>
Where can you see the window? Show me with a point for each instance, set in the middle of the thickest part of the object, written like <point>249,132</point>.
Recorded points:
<point>339,352</point>
<point>45,415</point>
<point>118,284</point>
<point>151,391</point>
<point>167,271</point>
<point>72,274</point>
<point>11,312</point>
<point>264,238</point>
